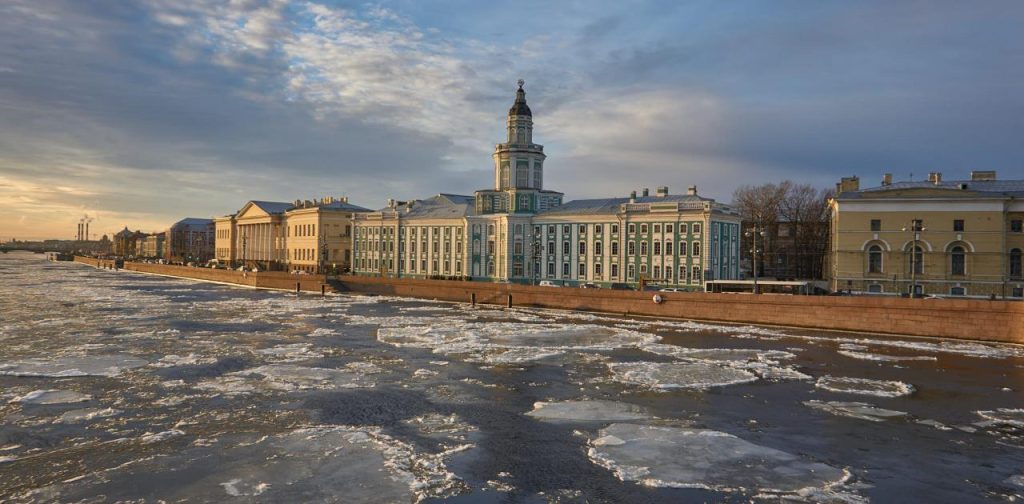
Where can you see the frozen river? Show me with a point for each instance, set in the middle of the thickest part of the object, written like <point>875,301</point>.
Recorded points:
<point>116,386</point>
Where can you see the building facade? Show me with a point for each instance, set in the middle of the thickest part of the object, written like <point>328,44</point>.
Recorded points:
<point>520,232</point>
<point>305,235</point>
<point>126,242</point>
<point>153,246</point>
<point>190,240</point>
<point>934,237</point>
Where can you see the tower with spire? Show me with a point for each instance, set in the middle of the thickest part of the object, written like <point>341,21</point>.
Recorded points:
<point>518,167</point>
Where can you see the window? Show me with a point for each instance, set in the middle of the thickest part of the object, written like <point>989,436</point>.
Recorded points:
<point>551,248</point>
<point>490,247</point>
<point>447,247</point>
<point>875,259</point>
<point>957,291</point>
<point>551,269</point>
<point>551,230</point>
<point>490,268</point>
<point>597,271</point>
<point>916,261</point>
<point>565,230</point>
<point>875,288</point>
<point>643,228</point>
<point>696,248</point>
<point>696,228</point>
<point>657,248</point>
<point>668,248</point>
<point>1015,264</point>
<point>583,248</point>
<point>598,228</point>
<point>643,248</point>
<point>668,228</point>
<point>957,261</point>
<point>517,248</point>
<point>643,269</point>
<point>565,248</point>
<point>583,229</point>
<point>682,274</point>
<point>615,228</point>
<point>615,248</point>
<point>565,270</point>
<point>630,272</point>
<point>657,272</point>
<point>630,248</point>
<point>490,229</point>
<point>582,270</point>
<point>657,228</point>
<point>598,249</point>
<point>958,224</point>
<point>696,274</point>
<point>682,229</point>
<point>632,228</point>
<point>458,267</point>
<point>615,272</point>
<point>1017,226</point>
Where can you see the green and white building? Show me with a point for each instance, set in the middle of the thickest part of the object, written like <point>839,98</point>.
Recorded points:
<point>522,233</point>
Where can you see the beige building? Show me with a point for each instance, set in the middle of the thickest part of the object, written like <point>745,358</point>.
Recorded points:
<point>270,235</point>
<point>933,237</point>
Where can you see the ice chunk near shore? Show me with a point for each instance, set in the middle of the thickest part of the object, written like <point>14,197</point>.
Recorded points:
<point>695,458</point>
<point>863,411</point>
<point>884,358</point>
<point>674,375</point>
<point>294,352</point>
<point>589,411</point>
<point>864,386</point>
<point>285,377</point>
<point>52,397</point>
<point>150,438</point>
<point>63,367</point>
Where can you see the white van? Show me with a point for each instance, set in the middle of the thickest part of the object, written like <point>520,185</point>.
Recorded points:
<point>548,283</point>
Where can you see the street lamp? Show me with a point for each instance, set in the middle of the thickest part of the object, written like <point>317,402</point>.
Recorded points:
<point>537,249</point>
<point>916,227</point>
<point>323,255</point>
<point>753,233</point>
<point>245,239</point>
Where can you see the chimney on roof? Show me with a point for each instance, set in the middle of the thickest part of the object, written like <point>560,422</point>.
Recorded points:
<point>848,184</point>
<point>632,196</point>
<point>983,175</point>
<point>692,190</point>
<point>887,179</point>
<point>661,192</point>
<point>646,192</point>
<point>935,177</point>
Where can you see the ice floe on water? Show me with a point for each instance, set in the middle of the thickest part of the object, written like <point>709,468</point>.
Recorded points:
<point>591,411</point>
<point>316,464</point>
<point>183,360</point>
<point>863,411</point>
<point>86,415</point>
<point>697,458</point>
<point>512,343</point>
<point>151,437</point>
<point>93,365</point>
<point>883,357</point>
<point>675,375</point>
<point>52,397</point>
<point>1004,416</point>
<point>864,386</point>
<point>285,378</point>
<point>293,352</point>
<point>764,363</point>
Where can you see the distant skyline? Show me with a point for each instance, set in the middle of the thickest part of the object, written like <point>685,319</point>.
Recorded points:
<point>143,113</point>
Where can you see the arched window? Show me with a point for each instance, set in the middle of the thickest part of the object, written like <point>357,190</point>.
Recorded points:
<point>875,259</point>
<point>915,260</point>
<point>1015,264</point>
<point>957,261</point>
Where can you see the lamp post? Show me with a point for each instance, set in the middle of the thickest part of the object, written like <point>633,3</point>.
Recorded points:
<point>537,249</point>
<point>916,227</point>
<point>323,255</point>
<point>753,233</point>
<point>245,239</point>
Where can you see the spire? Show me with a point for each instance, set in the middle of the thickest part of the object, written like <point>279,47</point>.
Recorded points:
<point>519,108</point>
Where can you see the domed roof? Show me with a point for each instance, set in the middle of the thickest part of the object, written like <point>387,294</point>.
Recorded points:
<point>519,108</point>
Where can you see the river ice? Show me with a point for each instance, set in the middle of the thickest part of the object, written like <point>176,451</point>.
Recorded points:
<point>700,458</point>
<point>132,388</point>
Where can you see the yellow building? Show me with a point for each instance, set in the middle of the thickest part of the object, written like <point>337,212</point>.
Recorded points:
<point>932,237</point>
<point>301,235</point>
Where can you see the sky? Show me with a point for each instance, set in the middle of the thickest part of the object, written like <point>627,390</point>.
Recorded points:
<point>140,113</point>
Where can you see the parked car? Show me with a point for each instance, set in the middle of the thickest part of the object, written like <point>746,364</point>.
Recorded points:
<point>548,283</point>
<point>672,289</point>
<point>300,272</point>
<point>590,286</point>
<point>621,286</point>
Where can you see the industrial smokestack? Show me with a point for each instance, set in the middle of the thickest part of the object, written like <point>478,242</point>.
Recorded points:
<point>86,231</point>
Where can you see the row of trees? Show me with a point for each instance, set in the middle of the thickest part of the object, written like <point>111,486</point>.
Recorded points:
<point>795,218</point>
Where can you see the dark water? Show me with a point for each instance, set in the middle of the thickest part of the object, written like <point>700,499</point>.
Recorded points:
<point>117,386</point>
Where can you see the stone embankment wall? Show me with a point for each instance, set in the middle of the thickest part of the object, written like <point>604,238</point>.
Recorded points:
<point>953,318</point>
<point>969,319</point>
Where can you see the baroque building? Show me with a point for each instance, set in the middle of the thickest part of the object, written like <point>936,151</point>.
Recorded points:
<point>520,232</point>
<point>930,237</point>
